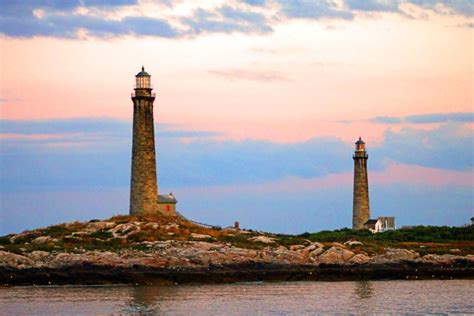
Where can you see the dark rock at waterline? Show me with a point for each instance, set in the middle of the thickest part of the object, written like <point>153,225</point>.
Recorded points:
<point>88,274</point>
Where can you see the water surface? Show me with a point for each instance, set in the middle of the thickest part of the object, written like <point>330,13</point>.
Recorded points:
<point>283,298</point>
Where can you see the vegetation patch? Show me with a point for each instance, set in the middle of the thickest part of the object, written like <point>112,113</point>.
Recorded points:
<point>68,237</point>
<point>101,234</point>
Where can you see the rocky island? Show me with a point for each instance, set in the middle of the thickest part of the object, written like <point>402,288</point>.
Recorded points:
<point>134,250</point>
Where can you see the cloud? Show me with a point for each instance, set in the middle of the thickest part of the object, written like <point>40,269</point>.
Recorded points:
<point>82,130</point>
<point>68,26</point>
<point>103,159</point>
<point>374,5</point>
<point>387,120</point>
<point>460,7</point>
<point>304,186</point>
<point>64,19</point>
<point>303,9</point>
<point>445,7</point>
<point>466,25</point>
<point>440,118</point>
<point>255,2</point>
<point>62,126</point>
<point>99,156</point>
<point>461,117</point>
<point>264,50</point>
<point>226,19</point>
<point>26,7</point>
<point>448,147</point>
<point>4,101</point>
<point>241,74</point>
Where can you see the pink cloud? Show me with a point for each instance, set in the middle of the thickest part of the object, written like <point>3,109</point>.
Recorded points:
<point>394,173</point>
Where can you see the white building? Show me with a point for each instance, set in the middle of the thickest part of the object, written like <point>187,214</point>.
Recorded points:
<point>381,224</point>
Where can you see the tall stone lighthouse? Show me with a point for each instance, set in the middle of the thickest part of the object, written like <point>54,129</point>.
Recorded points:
<point>361,208</point>
<point>144,198</point>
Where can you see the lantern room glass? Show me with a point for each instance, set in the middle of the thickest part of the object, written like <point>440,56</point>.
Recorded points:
<point>360,147</point>
<point>143,82</point>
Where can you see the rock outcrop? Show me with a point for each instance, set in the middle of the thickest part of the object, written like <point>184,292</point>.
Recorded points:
<point>336,255</point>
<point>134,245</point>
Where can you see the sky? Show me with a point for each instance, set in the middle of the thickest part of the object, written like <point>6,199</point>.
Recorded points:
<point>259,103</point>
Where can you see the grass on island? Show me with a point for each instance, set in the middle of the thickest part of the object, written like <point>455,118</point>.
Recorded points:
<point>139,232</point>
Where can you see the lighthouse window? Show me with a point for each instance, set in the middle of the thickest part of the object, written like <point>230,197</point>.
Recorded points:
<point>167,208</point>
<point>143,82</point>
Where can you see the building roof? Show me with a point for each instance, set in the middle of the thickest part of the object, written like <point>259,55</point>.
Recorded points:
<point>371,222</point>
<point>143,73</point>
<point>360,141</point>
<point>167,198</point>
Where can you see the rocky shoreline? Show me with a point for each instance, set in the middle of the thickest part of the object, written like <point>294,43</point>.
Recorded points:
<point>170,262</point>
<point>251,272</point>
<point>126,250</point>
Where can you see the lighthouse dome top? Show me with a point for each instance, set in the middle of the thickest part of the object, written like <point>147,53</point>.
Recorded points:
<point>143,73</point>
<point>360,145</point>
<point>360,141</point>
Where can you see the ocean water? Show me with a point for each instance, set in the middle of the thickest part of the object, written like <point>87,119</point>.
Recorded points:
<point>280,298</point>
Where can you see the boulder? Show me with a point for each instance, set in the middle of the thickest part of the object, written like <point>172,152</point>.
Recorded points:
<point>202,245</point>
<point>96,226</point>
<point>150,243</point>
<point>74,234</point>
<point>443,259</point>
<point>67,259</point>
<point>312,247</point>
<point>336,255</point>
<point>359,259</point>
<point>353,243</point>
<point>41,240</point>
<point>12,260</point>
<point>296,247</point>
<point>395,254</point>
<point>123,230</point>
<point>316,252</point>
<point>244,232</point>
<point>200,236</point>
<point>152,225</point>
<point>38,255</point>
<point>317,244</point>
<point>14,238</point>
<point>162,244</point>
<point>262,239</point>
<point>172,226</point>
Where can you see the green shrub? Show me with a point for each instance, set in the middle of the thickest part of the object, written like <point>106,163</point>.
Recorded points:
<point>101,234</point>
<point>5,240</point>
<point>56,231</point>
<point>438,234</point>
<point>339,235</point>
<point>416,234</point>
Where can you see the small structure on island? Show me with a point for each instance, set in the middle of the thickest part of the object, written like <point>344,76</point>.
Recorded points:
<point>381,224</point>
<point>361,209</point>
<point>144,198</point>
<point>370,225</point>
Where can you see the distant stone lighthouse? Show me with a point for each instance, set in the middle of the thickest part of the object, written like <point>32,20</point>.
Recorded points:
<point>144,198</point>
<point>361,208</point>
